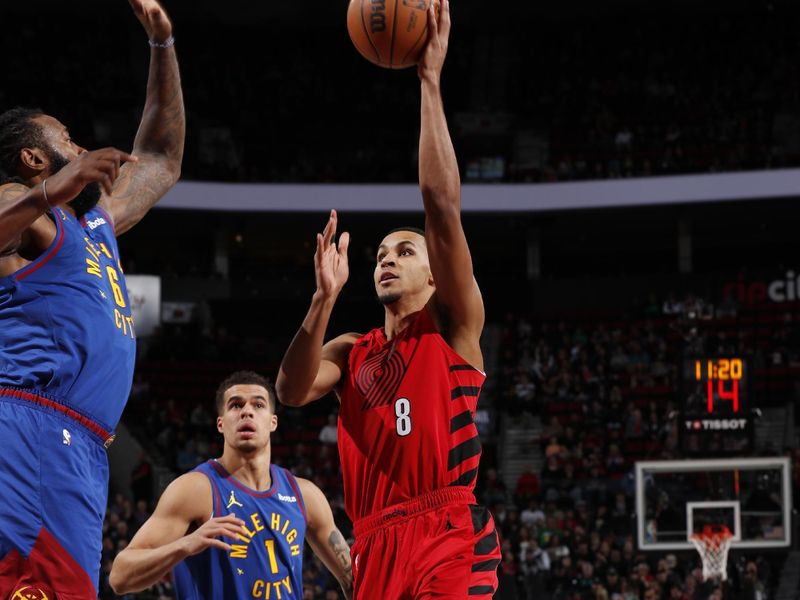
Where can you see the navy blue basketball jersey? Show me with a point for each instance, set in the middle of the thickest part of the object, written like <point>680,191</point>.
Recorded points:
<point>264,563</point>
<point>67,330</point>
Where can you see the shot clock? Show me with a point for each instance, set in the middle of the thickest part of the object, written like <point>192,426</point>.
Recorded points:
<point>723,379</point>
<point>716,415</point>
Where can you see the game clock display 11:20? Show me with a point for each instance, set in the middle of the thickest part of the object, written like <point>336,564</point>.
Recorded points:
<point>723,378</point>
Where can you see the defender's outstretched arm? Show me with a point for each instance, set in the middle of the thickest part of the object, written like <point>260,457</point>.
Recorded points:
<point>162,131</point>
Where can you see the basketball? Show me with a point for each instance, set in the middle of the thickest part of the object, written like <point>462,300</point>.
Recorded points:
<point>389,33</point>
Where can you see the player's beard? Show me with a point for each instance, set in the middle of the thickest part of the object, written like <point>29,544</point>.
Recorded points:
<point>390,298</point>
<point>89,196</point>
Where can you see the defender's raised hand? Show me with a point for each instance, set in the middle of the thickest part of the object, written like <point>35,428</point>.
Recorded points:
<point>160,139</point>
<point>153,18</point>
<point>330,262</point>
<point>100,166</point>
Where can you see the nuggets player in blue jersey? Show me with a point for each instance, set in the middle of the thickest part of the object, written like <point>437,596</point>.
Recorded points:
<point>67,341</point>
<point>234,527</point>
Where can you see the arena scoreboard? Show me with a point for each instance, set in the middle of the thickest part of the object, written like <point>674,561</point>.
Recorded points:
<point>716,416</point>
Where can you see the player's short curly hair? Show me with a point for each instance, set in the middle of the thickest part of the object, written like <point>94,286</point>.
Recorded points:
<point>17,131</point>
<point>6,178</point>
<point>245,378</point>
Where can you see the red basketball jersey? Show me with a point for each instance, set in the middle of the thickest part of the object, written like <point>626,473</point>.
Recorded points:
<point>406,424</point>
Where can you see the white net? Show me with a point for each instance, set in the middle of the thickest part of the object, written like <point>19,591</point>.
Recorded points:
<point>713,547</point>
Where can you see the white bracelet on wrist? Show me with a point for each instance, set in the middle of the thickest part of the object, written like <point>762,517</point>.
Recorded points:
<point>168,44</point>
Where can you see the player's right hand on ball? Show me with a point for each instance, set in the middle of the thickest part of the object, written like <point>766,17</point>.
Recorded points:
<point>101,166</point>
<point>330,262</point>
<point>207,534</point>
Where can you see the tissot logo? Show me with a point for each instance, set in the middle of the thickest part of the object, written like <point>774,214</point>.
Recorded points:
<point>283,498</point>
<point>96,223</point>
<point>716,424</point>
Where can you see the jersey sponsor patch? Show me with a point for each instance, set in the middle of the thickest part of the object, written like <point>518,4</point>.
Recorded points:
<point>283,498</point>
<point>95,223</point>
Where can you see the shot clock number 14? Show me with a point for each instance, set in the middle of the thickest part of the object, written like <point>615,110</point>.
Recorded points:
<point>723,377</point>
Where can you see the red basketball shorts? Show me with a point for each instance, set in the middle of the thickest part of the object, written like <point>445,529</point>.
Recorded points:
<point>440,545</point>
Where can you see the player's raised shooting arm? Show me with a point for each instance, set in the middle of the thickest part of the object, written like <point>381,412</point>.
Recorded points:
<point>457,292</point>
<point>162,131</point>
<point>324,537</point>
<point>162,543</point>
<point>310,370</point>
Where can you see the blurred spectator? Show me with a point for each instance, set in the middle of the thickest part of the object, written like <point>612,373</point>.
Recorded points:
<point>142,479</point>
<point>328,434</point>
<point>527,486</point>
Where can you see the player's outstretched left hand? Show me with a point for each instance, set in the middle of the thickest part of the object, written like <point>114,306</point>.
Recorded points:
<point>153,18</point>
<point>330,260</point>
<point>432,60</point>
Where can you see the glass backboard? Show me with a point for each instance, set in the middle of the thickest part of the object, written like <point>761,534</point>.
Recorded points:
<point>749,496</point>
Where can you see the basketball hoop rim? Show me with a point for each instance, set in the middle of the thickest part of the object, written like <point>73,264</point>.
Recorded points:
<point>710,536</point>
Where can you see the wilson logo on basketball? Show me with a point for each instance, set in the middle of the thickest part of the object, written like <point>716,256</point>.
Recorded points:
<point>379,377</point>
<point>390,33</point>
<point>377,20</point>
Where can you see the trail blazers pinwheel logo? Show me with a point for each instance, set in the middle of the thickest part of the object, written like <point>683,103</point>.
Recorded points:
<point>379,377</point>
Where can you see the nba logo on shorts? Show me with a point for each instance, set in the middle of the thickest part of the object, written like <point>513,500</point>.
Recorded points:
<point>67,438</point>
<point>29,593</point>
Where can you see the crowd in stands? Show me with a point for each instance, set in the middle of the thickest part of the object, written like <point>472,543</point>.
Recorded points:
<point>624,99</point>
<point>603,96</point>
<point>605,392</point>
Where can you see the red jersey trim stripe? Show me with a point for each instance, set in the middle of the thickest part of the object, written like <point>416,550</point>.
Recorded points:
<point>72,414</point>
<point>296,487</point>
<point>47,256</point>
<point>109,220</point>
<point>215,499</point>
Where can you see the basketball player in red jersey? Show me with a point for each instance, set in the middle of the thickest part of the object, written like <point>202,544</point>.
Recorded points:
<point>408,391</point>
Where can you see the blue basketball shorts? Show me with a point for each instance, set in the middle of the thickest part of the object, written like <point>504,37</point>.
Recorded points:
<point>54,477</point>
